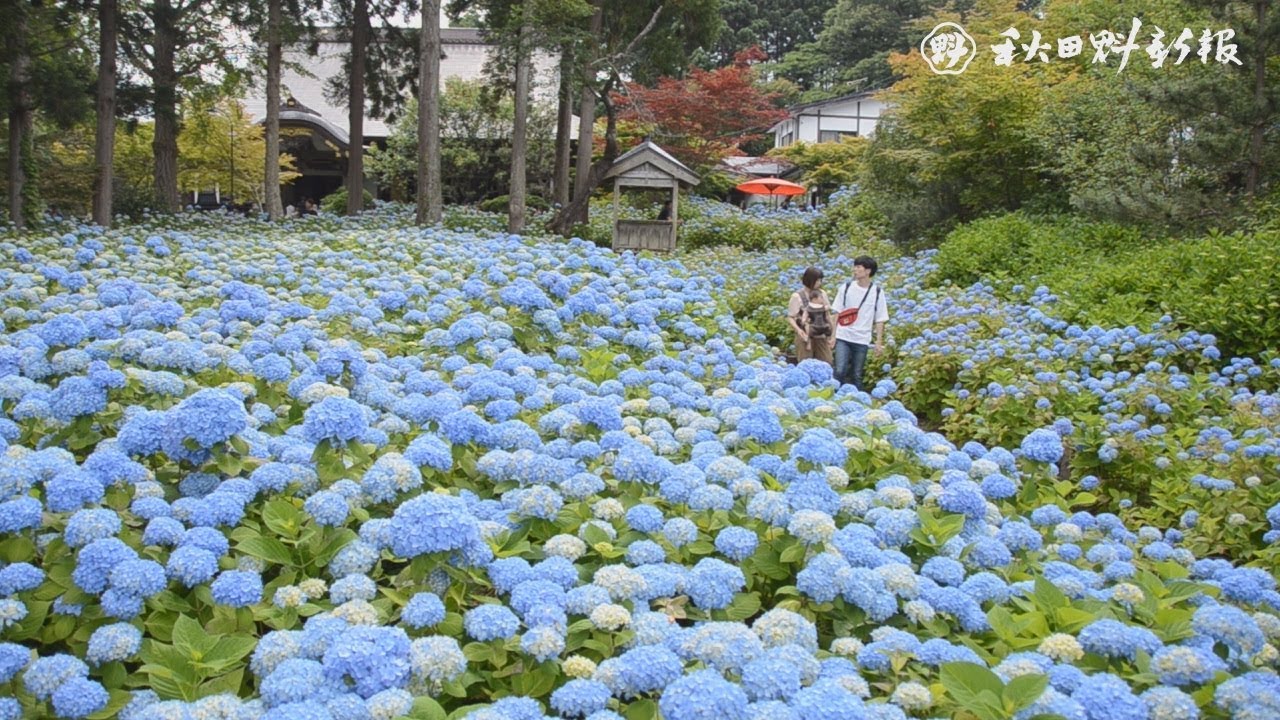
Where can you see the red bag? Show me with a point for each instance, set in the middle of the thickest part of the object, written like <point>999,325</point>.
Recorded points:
<point>850,316</point>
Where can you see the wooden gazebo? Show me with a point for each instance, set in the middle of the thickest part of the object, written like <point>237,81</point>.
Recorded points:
<point>648,166</point>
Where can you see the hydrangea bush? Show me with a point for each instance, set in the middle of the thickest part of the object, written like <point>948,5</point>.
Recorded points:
<point>356,469</point>
<point>1156,425</point>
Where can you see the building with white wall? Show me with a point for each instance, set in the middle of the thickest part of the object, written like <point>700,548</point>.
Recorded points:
<point>829,120</point>
<point>315,130</point>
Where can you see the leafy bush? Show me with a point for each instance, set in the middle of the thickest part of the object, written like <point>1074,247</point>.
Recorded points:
<point>1109,275</point>
<point>1224,285</point>
<point>132,200</point>
<point>499,204</point>
<point>715,185</point>
<point>335,202</point>
<point>1018,245</point>
<point>464,217</point>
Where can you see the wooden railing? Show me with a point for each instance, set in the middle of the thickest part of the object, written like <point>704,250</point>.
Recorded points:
<point>656,235</point>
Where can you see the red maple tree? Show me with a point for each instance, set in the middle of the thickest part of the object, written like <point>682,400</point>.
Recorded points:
<point>706,115</point>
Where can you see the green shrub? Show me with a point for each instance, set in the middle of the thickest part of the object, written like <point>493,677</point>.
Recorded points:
<point>1110,275</point>
<point>132,200</point>
<point>1018,246</point>
<point>1226,285</point>
<point>465,217</point>
<point>499,204</point>
<point>335,202</point>
<point>715,185</point>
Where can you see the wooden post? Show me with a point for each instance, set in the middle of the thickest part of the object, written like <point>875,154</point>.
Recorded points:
<point>617,191</point>
<point>675,212</point>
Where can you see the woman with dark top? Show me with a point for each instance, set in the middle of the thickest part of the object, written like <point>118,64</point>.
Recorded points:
<point>809,315</point>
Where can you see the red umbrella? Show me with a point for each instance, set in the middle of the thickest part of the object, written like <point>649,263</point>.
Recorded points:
<point>771,186</point>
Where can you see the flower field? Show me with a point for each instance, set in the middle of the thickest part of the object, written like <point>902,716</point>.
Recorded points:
<point>1158,426</point>
<point>353,469</point>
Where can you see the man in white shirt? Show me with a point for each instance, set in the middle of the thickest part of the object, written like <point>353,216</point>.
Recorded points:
<point>852,342</point>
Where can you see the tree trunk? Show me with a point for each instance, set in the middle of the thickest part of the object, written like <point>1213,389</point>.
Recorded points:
<point>430,210</point>
<point>355,109</point>
<point>519,136</point>
<point>587,110</point>
<point>165,80</point>
<point>105,136</point>
<point>564,126</point>
<point>271,174</point>
<point>19,117</point>
<point>576,212</point>
<point>1253,177</point>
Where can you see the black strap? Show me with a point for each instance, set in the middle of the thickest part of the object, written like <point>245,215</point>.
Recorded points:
<point>845,297</point>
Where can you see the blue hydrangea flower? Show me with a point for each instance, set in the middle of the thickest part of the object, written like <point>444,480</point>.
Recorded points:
<point>645,518</point>
<point>1105,695</point>
<point>13,658</point>
<point>432,523</point>
<point>761,424</point>
<point>712,583</point>
<point>328,508</point>
<point>237,588</point>
<point>209,417</point>
<point>771,678</point>
<point>49,673</point>
<point>1114,639</point>
<point>680,531</point>
<point>1042,445</point>
<point>113,643</point>
<point>819,446</point>
<point>336,420</point>
<point>424,610</point>
<point>191,565</point>
<point>580,697</point>
<point>703,694</point>
<point>79,697</point>
<point>373,659</point>
<point>736,543</point>
<point>19,577</point>
<point>490,622</point>
<point>1185,665</point>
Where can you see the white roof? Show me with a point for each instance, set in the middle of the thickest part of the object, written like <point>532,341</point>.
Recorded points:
<point>465,56</point>
<point>761,166</point>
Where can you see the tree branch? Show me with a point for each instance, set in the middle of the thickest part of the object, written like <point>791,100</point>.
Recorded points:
<point>631,46</point>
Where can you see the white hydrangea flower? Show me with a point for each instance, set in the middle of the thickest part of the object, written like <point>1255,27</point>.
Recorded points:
<point>912,697</point>
<point>610,617</point>
<point>608,509</point>
<point>1061,647</point>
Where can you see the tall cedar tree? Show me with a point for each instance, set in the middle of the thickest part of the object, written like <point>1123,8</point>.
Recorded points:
<point>778,27</point>
<point>381,67</point>
<point>274,25</point>
<point>853,44</point>
<point>521,28</point>
<point>105,127</point>
<point>44,61</point>
<point>706,115</point>
<point>271,161</point>
<point>430,193</point>
<point>173,43</point>
<point>639,40</point>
